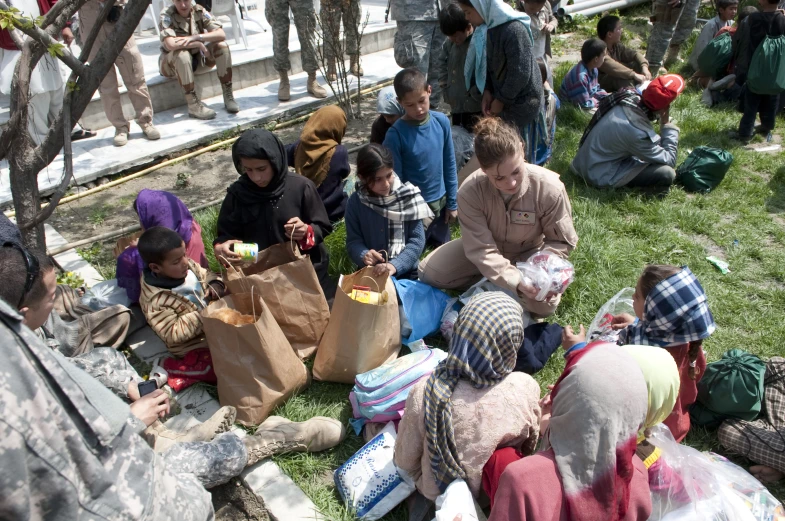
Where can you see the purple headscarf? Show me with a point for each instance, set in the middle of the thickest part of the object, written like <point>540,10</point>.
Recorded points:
<point>155,208</point>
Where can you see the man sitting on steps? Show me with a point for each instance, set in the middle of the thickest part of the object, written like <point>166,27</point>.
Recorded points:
<point>193,41</point>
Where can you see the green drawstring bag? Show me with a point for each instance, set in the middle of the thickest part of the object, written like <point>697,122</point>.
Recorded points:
<point>715,57</point>
<point>766,74</point>
<point>731,388</point>
<point>704,169</point>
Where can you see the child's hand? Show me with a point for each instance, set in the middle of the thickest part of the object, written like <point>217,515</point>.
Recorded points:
<point>496,107</point>
<point>224,253</point>
<point>450,216</point>
<point>487,99</point>
<point>569,338</point>
<point>372,258</point>
<point>549,28</point>
<point>646,73</point>
<point>384,268</point>
<point>295,229</point>
<point>639,78</point>
<point>622,321</point>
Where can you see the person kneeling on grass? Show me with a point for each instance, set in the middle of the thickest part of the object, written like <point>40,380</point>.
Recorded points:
<point>620,147</point>
<point>384,217</point>
<point>509,210</point>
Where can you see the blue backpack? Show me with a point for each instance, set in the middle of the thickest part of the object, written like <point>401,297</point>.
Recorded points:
<point>379,395</point>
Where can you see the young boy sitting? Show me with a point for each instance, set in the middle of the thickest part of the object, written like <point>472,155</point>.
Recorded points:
<point>726,12</point>
<point>465,104</point>
<point>174,290</point>
<point>389,111</point>
<point>581,86</point>
<point>542,24</point>
<point>623,67</point>
<point>423,152</point>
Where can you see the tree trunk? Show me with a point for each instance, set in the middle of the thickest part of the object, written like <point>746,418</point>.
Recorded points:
<point>24,189</point>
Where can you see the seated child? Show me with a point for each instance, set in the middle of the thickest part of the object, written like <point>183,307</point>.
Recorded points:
<point>623,67</point>
<point>320,156</point>
<point>423,153</point>
<point>727,88</point>
<point>542,23</point>
<point>726,12</point>
<point>158,208</point>
<point>581,86</point>
<point>672,313</point>
<point>384,217</point>
<point>174,290</point>
<point>465,102</point>
<point>389,111</point>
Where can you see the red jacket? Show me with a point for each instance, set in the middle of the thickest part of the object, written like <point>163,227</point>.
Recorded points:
<point>5,39</point>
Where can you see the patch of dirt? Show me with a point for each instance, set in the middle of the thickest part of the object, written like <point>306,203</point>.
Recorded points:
<point>709,245</point>
<point>233,501</point>
<point>208,177</point>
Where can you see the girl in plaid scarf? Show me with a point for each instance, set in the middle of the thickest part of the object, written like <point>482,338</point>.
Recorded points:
<point>384,217</point>
<point>672,313</point>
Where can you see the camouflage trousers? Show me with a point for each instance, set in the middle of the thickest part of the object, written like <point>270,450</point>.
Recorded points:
<point>213,463</point>
<point>672,26</point>
<point>419,45</point>
<point>331,12</point>
<point>277,14</point>
<point>179,64</point>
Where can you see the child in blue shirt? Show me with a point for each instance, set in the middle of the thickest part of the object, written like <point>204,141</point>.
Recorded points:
<point>423,154</point>
<point>581,85</point>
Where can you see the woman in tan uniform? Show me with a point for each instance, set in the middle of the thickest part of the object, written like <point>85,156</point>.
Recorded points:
<point>508,210</point>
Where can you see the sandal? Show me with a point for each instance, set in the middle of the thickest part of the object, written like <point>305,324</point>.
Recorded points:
<point>83,134</point>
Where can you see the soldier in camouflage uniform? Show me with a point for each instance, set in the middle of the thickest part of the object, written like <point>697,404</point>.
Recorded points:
<point>277,14</point>
<point>331,12</point>
<point>673,22</point>
<point>192,41</point>
<point>419,41</point>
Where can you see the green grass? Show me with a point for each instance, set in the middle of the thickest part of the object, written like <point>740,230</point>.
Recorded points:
<point>621,231</point>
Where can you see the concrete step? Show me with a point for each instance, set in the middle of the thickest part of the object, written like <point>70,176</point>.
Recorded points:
<point>251,66</point>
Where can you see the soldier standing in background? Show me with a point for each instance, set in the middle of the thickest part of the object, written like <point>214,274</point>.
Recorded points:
<point>330,13</point>
<point>277,14</point>
<point>193,41</point>
<point>131,68</point>
<point>673,22</point>
<point>419,41</point>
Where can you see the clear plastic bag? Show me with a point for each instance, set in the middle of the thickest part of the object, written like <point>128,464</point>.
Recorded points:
<point>547,273</point>
<point>688,485</point>
<point>456,500</point>
<point>600,328</point>
<point>105,294</point>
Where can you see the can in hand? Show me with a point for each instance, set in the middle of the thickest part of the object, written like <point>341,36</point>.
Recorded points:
<point>247,250</point>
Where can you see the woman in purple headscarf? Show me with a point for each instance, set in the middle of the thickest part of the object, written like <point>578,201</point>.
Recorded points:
<point>158,208</point>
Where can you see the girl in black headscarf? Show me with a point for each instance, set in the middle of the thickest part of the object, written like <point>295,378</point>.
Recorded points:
<point>268,205</point>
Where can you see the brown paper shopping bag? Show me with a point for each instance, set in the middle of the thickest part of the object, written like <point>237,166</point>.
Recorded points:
<point>288,283</point>
<point>255,364</point>
<point>360,336</point>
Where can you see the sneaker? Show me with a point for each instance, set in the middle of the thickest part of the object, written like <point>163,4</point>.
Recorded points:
<point>121,137</point>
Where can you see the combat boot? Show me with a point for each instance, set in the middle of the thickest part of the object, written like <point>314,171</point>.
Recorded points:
<point>354,68</point>
<point>231,106</point>
<point>332,74</point>
<point>672,58</point>
<point>278,435</point>
<point>161,438</point>
<point>283,87</point>
<point>197,109</point>
<point>314,89</point>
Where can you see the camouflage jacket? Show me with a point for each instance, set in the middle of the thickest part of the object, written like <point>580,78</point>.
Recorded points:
<point>71,449</point>
<point>416,10</point>
<point>200,21</point>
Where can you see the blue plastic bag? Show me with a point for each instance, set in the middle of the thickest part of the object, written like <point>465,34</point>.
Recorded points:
<point>423,306</point>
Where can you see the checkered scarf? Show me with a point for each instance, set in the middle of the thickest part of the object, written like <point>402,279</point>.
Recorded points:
<point>404,203</point>
<point>675,312</point>
<point>483,350</point>
<point>621,97</point>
